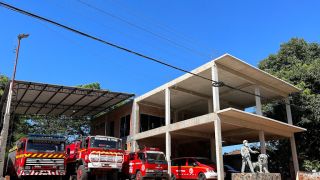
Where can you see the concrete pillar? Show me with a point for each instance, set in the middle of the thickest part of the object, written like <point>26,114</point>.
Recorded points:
<point>259,112</point>
<point>136,126</point>
<point>292,140</point>
<point>210,106</point>
<point>213,149</point>
<point>167,108</point>
<point>176,116</point>
<point>168,151</point>
<point>217,124</point>
<point>168,135</point>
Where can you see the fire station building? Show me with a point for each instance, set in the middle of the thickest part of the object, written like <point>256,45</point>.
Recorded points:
<point>190,116</point>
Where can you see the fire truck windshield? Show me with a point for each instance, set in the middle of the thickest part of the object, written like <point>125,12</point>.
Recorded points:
<point>45,146</point>
<point>157,158</point>
<point>106,143</point>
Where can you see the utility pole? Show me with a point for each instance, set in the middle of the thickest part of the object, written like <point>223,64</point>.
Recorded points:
<point>6,119</point>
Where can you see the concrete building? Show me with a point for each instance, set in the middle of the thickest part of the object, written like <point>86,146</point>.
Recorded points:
<point>189,115</point>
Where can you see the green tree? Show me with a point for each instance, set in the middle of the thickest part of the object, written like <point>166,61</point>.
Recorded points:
<point>298,62</point>
<point>3,82</point>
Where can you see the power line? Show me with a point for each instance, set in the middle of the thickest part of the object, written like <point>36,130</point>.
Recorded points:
<point>184,37</point>
<point>214,83</point>
<point>101,40</point>
<point>144,29</point>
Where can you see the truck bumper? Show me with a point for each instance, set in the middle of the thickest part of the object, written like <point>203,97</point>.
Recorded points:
<point>153,175</point>
<point>104,165</point>
<point>211,175</point>
<point>42,172</point>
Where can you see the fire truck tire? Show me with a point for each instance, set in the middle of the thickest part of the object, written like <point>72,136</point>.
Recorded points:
<point>173,177</point>
<point>139,176</point>
<point>201,176</point>
<point>82,173</point>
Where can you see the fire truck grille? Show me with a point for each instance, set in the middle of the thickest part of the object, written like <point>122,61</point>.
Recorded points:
<point>44,162</point>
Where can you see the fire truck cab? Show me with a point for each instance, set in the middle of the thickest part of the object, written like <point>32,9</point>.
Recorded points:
<point>37,155</point>
<point>146,163</point>
<point>95,156</point>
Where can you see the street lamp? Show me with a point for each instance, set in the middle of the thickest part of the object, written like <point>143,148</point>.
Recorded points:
<point>6,119</point>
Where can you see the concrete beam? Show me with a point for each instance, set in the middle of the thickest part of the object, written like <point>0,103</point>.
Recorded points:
<point>227,92</point>
<point>145,103</point>
<point>191,92</point>
<point>192,134</point>
<point>253,81</point>
<point>252,125</point>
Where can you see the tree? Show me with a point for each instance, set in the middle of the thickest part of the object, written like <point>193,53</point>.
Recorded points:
<point>298,62</point>
<point>3,82</point>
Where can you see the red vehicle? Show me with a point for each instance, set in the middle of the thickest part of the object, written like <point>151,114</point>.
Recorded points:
<point>146,163</point>
<point>193,168</point>
<point>95,156</point>
<point>37,155</point>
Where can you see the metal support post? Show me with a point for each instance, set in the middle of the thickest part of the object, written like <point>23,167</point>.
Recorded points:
<point>6,120</point>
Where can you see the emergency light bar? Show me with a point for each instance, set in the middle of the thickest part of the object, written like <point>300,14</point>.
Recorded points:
<point>47,137</point>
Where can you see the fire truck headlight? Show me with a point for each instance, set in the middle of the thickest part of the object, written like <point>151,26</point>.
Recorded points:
<point>27,167</point>
<point>94,157</point>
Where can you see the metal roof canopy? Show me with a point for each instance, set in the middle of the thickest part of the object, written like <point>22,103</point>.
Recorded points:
<point>31,98</point>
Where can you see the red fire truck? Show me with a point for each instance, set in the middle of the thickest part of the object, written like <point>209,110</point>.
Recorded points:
<point>146,163</point>
<point>37,155</point>
<point>95,156</point>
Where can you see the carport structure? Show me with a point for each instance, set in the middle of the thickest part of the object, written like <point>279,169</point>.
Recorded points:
<point>194,109</point>
<point>57,101</point>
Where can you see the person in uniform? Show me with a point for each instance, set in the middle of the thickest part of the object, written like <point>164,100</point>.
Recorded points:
<point>246,158</point>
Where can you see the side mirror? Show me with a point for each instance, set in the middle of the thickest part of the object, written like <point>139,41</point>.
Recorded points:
<point>68,151</point>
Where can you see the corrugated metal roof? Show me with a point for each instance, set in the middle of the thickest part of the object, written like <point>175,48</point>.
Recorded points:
<point>31,98</point>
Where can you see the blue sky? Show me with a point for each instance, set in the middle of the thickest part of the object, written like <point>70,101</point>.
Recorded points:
<point>250,30</point>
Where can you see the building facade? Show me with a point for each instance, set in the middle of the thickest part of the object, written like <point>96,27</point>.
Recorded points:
<point>194,116</point>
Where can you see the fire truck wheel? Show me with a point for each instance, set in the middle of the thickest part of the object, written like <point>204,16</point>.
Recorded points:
<point>201,176</point>
<point>173,177</point>
<point>82,173</point>
<point>139,176</point>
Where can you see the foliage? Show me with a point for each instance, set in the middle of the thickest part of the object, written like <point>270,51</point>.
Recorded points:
<point>3,82</point>
<point>311,165</point>
<point>298,62</point>
<point>94,85</point>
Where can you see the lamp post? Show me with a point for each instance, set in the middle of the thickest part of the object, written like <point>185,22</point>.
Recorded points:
<point>6,119</point>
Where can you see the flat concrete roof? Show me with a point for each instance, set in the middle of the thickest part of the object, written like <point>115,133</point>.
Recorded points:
<point>236,66</point>
<point>236,125</point>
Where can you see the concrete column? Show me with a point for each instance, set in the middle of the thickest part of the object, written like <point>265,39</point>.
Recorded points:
<point>259,112</point>
<point>136,126</point>
<point>292,140</point>
<point>168,151</point>
<point>213,148</point>
<point>217,124</point>
<point>176,116</point>
<point>168,135</point>
<point>167,108</point>
<point>210,106</point>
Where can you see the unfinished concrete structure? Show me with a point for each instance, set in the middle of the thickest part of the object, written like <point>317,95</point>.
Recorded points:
<point>189,109</point>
